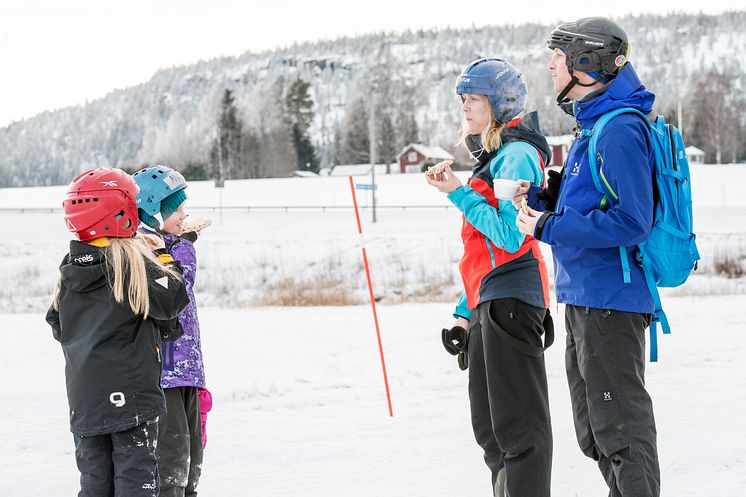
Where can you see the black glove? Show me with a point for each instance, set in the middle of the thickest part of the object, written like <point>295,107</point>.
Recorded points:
<point>455,340</point>
<point>189,235</point>
<point>551,192</point>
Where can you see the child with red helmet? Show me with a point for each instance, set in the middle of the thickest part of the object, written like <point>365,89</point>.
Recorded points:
<point>112,292</point>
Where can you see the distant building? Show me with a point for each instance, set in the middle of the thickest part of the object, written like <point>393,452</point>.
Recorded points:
<point>695,155</point>
<point>304,174</point>
<point>559,145</point>
<point>415,155</point>
<point>359,169</point>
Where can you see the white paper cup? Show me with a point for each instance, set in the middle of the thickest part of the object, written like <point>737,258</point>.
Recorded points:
<point>505,189</point>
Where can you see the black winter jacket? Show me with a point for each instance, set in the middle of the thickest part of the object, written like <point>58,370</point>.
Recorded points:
<point>112,356</point>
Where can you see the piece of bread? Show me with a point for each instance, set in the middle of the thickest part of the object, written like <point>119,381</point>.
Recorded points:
<point>195,224</point>
<point>438,168</point>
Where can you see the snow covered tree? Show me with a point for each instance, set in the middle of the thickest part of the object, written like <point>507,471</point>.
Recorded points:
<point>299,108</point>
<point>226,152</point>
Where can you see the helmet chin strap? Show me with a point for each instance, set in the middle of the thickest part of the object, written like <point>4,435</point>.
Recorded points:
<point>561,98</point>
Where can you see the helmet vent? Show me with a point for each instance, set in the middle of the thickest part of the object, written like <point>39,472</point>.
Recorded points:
<point>155,176</point>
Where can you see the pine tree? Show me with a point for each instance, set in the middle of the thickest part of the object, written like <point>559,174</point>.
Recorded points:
<point>299,108</point>
<point>355,138</point>
<point>387,142</point>
<point>227,148</point>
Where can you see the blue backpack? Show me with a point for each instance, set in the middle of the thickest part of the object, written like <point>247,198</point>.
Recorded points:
<point>669,254</point>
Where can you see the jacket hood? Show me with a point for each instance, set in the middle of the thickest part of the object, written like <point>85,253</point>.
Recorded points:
<point>625,90</point>
<point>526,130</point>
<point>83,269</point>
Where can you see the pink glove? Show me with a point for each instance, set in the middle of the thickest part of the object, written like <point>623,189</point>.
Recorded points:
<point>205,404</point>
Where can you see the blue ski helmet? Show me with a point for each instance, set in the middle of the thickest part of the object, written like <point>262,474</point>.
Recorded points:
<point>500,82</point>
<point>156,183</point>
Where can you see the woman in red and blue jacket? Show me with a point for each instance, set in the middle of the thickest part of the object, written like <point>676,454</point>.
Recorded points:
<point>505,303</point>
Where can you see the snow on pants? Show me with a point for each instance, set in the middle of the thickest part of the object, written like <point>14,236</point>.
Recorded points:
<point>508,393</point>
<point>613,413</point>
<point>180,443</point>
<point>120,464</point>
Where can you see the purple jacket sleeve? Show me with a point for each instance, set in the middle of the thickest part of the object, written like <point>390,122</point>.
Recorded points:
<point>182,250</point>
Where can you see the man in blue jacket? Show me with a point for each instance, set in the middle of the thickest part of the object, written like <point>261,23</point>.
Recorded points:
<point>606,310</point>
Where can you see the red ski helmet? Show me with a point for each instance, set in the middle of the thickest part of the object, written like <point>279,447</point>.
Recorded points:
<point>101,202</point>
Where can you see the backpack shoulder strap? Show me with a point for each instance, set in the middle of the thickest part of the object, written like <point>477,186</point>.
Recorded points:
<point>601,184</point>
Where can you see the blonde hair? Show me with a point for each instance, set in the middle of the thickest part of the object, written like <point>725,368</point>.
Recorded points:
<point>126,258</point>
<point>490,136</point>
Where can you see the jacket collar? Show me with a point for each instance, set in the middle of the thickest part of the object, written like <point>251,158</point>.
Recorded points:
<point>625,90</point>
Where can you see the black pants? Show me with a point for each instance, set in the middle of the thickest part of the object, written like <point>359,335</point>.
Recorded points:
<point>180,443</point>
<point>119,464</point>
<point>613,413</point>
<point>508,395</point>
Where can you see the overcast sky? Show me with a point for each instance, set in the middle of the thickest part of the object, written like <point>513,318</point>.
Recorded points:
<point>55,53</point>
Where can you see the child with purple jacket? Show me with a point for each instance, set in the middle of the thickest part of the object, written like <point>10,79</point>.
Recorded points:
<point>160,205</point>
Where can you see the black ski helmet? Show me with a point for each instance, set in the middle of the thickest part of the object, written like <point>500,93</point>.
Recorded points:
<point>595,45</point>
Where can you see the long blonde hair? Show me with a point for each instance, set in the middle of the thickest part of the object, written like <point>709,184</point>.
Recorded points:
<point>490,136</point>
<point>126,258</point>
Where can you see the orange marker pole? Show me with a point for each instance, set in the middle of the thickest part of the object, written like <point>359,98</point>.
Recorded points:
<point>372,298</point>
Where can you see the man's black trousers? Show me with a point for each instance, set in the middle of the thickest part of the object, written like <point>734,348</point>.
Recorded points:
<point>613,413</point>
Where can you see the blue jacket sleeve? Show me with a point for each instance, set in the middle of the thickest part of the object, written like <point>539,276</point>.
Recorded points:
<point>517,161</point>
<point>533,202</point>
<point>462,310</point>
<point>626,168</point>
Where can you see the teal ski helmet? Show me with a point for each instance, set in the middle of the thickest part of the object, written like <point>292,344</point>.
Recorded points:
<point>157,183</point>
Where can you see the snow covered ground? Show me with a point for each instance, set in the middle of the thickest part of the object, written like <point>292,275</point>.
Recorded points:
<point>300,407</point>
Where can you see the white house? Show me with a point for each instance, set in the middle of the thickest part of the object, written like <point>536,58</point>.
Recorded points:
<point>695,155</point>
<point>360,169</point>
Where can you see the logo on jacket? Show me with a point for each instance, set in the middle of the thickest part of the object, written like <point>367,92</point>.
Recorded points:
<point>84,259</point>
<point>117,398</point>
<point>575,169</point>
<point>163,282</point>
<point>607,396</point>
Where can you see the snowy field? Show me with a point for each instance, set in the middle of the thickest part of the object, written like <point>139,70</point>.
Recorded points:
<point>266,256</point>
<point>300,408</point>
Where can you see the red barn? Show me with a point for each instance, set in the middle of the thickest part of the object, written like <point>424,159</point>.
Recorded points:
<point>413,157</point>
<point>559,145</point>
